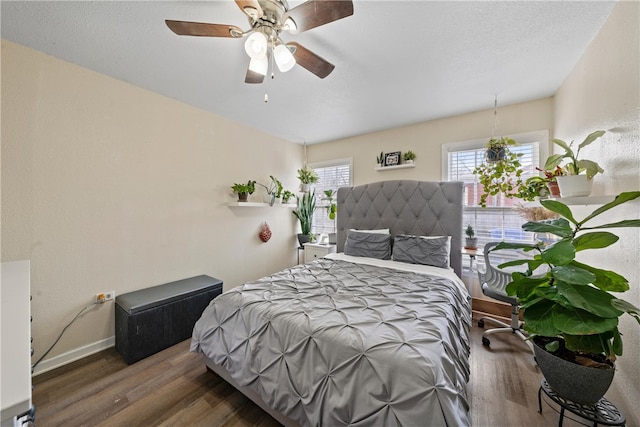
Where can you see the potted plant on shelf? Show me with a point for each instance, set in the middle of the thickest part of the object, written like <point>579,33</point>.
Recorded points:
<point>570,311</point>
<point>576,183</point>
<point>408,157</point>
<point>244,190</point>
<point>304,213</point>
<point>286,196</point>
<point>380,159</point>
<point>274,189</point>
<point>471,241</point>
<point>500,176</point>
<point>307,176</point>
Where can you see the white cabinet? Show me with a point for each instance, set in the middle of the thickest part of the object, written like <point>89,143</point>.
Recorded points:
<point>316,250</point>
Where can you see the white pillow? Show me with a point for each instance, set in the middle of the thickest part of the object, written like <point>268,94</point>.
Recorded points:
<point>379,231</point>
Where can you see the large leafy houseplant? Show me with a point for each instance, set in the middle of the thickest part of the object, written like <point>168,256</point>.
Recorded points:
<point>572,300</point>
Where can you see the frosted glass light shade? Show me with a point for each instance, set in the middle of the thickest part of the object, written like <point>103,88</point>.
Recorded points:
<point>256,45</point>
<point>259,65</point>
<point>284,58</point>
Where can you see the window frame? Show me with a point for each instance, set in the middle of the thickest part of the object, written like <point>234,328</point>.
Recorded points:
<point>320,205</point>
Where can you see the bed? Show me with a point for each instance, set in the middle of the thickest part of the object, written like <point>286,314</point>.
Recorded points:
<point>357,338</point>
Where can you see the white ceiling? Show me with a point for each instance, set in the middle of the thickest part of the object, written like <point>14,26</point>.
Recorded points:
<point>397,62</point>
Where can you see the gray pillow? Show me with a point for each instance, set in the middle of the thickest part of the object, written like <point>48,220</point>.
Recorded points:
<point>370,245</point>
<point>422,250</point>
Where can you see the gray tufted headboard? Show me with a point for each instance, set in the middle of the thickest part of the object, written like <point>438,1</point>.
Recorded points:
<point>404,207</point>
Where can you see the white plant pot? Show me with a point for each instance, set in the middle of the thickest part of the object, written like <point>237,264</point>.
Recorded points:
<point>574,185</point>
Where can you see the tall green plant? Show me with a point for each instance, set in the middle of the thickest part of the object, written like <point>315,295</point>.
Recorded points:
<point>573,300</point>
<point>304,212</point>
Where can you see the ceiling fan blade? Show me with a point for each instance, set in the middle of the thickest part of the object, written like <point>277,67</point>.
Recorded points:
<point>312,62</point>
<point>185,28</point>
<point>251,8</point>
<point>314,13</point>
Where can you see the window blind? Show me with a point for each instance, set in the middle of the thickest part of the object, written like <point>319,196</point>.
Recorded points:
<point>331,176</point>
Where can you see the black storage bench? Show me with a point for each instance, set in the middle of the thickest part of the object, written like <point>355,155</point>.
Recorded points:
<point>152,319</point>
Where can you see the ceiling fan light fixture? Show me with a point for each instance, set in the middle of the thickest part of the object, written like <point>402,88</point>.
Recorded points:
<point>256,45</point>
<point>290,25</point>
<point>252,12</point>
<point>259,65</point>
<point>284,58</point>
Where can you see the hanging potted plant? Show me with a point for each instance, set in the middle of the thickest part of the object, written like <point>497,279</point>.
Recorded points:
<point>307,176</point>
<point>497,149</point>
<point>570,312</point>
<point>579,171</point>
<point>304,213</point>
<point>500,176</point>
<point>244,190</point>
<point>332,210</point>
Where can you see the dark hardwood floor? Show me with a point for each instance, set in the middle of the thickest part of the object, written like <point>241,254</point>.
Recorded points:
<point>173,388</point>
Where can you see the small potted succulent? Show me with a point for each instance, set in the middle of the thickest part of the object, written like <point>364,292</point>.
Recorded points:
<point>286,196</point>
<point>471,241</point>
<point>304,213</point>
<point>244,190</point>
<point>408,157</point>
<point>380,159</point>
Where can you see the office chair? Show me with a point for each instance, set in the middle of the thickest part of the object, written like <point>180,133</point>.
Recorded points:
<point>494,282</point>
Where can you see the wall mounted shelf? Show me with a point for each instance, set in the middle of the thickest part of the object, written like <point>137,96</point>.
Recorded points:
<point>260,205</point>
<point>402,166</point>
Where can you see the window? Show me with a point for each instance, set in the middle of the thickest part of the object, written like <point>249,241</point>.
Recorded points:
<point>498,221</point>
<point>332,175</point>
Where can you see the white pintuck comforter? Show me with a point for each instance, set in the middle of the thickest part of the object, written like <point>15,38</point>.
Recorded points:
<point>338,342</point>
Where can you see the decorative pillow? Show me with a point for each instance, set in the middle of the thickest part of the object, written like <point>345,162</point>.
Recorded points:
<point>372,245</point>
<point>426,250</point>
<point>379,231</point>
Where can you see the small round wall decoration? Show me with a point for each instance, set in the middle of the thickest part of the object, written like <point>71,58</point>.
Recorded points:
<point>265,232</point>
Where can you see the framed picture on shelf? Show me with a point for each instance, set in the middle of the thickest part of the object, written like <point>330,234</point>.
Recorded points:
<point>392,159</point>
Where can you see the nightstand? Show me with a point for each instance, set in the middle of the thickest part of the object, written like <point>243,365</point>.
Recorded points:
<point>316,250</point>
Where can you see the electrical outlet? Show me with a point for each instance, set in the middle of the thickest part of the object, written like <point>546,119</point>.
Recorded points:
<point>103,297</point>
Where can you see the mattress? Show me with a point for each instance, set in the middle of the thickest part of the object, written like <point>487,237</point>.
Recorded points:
<point>347,341</point>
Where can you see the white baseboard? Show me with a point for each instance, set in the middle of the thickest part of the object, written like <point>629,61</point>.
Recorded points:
<point>73,355</point>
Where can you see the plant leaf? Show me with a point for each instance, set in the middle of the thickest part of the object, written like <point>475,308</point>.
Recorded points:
<point>573,274</point>
<point>575,321</point>
<point>625,306</point>
<point>596,343</point>
<point>522,286</point>
<point>538,319</point>
<point>560,253</point>
<point>590,299</point>
<point>562,144</point>
<point>559,208</point>
<point>590,166</point>
<point>596,240</point>
<point>553,161</point>
<point>627,223</point>
<point>620,199</point>
<point>506,245</point>
<point>559,227</point>
<point>606,280</point>
<point>591,137</point>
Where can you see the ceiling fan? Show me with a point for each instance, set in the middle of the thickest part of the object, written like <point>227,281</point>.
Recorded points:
<point>268,18</point>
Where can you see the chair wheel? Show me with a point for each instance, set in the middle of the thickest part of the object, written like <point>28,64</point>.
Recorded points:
<point>486,342</point>
<point>481,323</point>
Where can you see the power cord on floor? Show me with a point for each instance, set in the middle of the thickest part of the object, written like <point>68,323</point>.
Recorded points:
<point>63,331</point>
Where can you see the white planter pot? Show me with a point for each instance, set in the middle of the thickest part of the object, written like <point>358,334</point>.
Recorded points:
<point>574,185</point>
